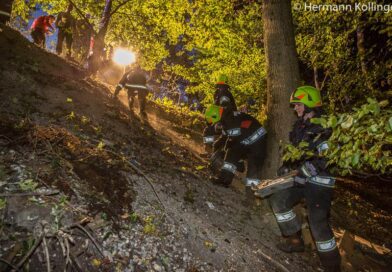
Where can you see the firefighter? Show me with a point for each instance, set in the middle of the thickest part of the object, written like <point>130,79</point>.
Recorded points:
<point>222,95</point>
<point>318,188</point>
<point>223,98</point>
<point>66,24</point>
<point>212,134</point>
<point>135,82</point>
<point>245,140</point>
<point>40,27</point>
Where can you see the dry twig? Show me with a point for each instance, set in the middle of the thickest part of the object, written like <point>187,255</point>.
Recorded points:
<point>9,264</point>
<point>46,255</point>
<point>89,236</point>
<point>137,170</point>
<point>31,251</point>
<point>273,261</point>
<point>55,192</point>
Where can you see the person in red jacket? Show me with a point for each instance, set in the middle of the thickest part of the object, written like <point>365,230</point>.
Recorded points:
<point>40,27</point>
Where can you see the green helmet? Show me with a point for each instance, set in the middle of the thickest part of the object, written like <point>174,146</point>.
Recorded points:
<point>307,95</point>
<point>222,79</point>
<point>213,114</point>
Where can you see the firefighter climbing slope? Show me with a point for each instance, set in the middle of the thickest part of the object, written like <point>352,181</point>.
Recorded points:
<point>135,82</point>
<point>316,190</point>
<point>212,134</point>
<point>246,139</point>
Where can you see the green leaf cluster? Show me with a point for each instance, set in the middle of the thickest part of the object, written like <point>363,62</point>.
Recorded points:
<point>351,51</point>
<point>295,153</point>
<point>362,139</point>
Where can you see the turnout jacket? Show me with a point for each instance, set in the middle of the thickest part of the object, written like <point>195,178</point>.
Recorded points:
<point>65,21</point>
<point>133,81</point>
<point>242,129</point>
<point>224,98</point>
<point>316,136</point>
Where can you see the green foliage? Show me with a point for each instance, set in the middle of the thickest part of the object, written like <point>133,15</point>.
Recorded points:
<point>3,203</point>
<point>149,226</point>
<point>361,139</point>
<point>351,50</point>
<point>181,111</point>
<point>198,40</point>
<point>295,153</point>
<point>28,185</point>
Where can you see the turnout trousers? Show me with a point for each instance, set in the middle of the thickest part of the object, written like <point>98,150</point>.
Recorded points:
<point>64,34</point>
<point>254,154</point>
<point>38,35</point>
<point>141,96</point>
<point>318,202</point>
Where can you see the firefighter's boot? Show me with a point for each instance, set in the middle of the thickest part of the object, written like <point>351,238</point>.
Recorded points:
<point>292,243</point>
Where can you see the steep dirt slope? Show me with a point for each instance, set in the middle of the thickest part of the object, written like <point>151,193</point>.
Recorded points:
<point>61,133</point>
<point>64,132</point>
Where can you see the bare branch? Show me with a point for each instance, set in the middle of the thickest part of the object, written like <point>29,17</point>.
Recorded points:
<point>89,236</point>
<point>9,264</point>
<point>55,192</point>
<point>83,16</point>
<point>46,255</point>
<point>31,251</point>
<point>118,7</point>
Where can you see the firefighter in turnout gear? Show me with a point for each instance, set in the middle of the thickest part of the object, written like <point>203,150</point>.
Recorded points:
<point>212,134</point>
<point>222,95</point>
<point>66,25</point>
<point>318,188</point>
<point>245,140</point>
<point>135,82</point>
<point>223,98</point>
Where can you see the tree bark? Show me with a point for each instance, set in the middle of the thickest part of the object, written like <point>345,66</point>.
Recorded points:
<point>282,78</point>
<point>99,39</point>
<point>361,48</point>
<point>5,10</point>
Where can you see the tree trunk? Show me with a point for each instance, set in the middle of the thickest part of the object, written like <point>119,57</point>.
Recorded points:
<point>282,78</point>
<point>5,10</point>
<point>99,39</point>
<point>361,48</point>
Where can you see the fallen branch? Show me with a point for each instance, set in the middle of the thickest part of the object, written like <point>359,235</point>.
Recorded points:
<point>89,236</point>
<point>31,194</point>
<point>31,251</point>
<point>75,263</point>
<point>9,264</point>
<point>137,170</point>
<point>46,255</point>
<point>140,172</point>
<point>274,262</point>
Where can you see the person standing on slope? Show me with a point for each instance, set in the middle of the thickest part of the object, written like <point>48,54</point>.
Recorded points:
<point>318,186</point>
